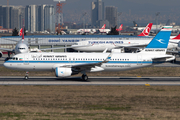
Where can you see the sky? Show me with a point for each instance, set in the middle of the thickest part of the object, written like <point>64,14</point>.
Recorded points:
<point>134,7</point>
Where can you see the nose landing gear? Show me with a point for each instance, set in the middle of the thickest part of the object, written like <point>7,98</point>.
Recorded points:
<point>26,76</point>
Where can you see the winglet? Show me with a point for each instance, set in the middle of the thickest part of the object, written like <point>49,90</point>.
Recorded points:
<point>147,30</point>
<point>105,50</point>
<point>177,37</point>
<point>108,58</point>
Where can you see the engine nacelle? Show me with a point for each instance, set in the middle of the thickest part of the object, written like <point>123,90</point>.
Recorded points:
<point>63,72</point>
<point>178,47</point>
<point>1,54</point>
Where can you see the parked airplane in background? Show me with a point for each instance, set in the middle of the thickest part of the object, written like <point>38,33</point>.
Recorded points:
<point>21,46</point>
<point>67,64</point>
<point>92,31</point>
<point>120,28</point>
<point>147,30</point>
<point>128,42</point>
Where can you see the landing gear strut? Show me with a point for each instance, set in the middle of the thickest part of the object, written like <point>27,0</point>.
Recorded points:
<point>26,76</point>
<point>84,77</point>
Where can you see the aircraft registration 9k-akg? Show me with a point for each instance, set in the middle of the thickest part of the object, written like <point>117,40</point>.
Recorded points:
<point>67,64</point>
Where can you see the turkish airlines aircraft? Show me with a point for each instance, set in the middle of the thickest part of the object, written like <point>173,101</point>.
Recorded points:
<point>147,30</point>
<point>21,46</point>
<point>92,31</point>
<point>131,44</point>
<point>67,64</point>
<point>120,28</point>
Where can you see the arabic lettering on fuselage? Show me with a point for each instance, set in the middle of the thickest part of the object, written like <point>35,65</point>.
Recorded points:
<point>105,42</point>
<point>54,56</point>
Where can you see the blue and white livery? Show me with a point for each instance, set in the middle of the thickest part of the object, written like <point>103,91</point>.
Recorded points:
<point>67,64</point>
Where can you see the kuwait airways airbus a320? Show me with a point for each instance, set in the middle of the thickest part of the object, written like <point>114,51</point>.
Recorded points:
<point>67,64</point>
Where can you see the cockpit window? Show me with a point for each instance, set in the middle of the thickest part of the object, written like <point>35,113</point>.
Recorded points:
<point>16,58</point>
<point>21,48</point>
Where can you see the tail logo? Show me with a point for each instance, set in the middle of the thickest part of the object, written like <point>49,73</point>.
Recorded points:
<point>146,31</point>
<point>161,41</point>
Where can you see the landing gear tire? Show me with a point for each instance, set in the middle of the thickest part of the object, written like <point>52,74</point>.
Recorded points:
<point>26,77</point>
<point>84,77</point>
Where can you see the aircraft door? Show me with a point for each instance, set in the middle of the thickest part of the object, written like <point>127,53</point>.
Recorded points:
<point>139,60</point>
<point>26,59</point>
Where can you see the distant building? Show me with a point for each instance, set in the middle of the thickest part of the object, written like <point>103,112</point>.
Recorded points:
<point>111,15</point>
<point>6,16</point>
<point>17,16</point>
<point>97,12</point>
<point>49,18</point>
<point>1,16</point>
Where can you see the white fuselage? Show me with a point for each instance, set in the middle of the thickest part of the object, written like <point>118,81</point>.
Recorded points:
<point>101,45</point>
<point>50,61</point>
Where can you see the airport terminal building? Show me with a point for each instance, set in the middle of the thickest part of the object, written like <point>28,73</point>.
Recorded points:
<point>50,41</point>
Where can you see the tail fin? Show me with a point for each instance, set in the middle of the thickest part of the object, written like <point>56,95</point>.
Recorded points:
<point>135,24</point>
<point>120,28</point>
<point>23,32</point>
<point>104,26</point>
<point>177,37</point>
<point>147,30</point>
<point>20,32</point>
<point>160,42</point>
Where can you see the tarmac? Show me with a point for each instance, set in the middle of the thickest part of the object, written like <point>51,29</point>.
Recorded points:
<point>100,81</point>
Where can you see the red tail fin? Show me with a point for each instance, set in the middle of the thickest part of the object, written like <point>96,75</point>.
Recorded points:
<point>104,26</point>
<point>20,32</point>
<point>177,37</point>
<point>147,30</point>
<point>120,28</point>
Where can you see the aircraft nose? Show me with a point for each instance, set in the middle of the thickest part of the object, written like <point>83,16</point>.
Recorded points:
<point>5,64</point>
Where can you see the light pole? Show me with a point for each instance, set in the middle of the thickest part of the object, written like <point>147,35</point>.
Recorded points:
<point>84,14</point>
<point>157,14</point>
<point>119,14</point>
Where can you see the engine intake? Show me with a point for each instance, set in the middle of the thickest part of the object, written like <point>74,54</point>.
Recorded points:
<point>63,72</point>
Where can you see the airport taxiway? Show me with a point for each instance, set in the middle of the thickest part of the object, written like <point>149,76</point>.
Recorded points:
<point>92,81</point>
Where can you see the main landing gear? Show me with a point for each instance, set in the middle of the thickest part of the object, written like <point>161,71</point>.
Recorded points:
<point>84,77</point>
<point>26,76</point>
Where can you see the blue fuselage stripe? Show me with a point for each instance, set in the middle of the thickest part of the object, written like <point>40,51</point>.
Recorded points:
<point>127,62</point>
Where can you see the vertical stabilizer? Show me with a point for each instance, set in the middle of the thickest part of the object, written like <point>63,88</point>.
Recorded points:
<point>120,28</point>
<point>147,30</point>
<point>104,26</point>
<point>177,37</point>
<point>160,42</point>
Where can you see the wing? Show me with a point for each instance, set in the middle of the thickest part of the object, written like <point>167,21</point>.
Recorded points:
<point>5,49</point>
<point>131,46</point>
<point>11,40</point>
<point>63,47</point>
<point>86,66</point>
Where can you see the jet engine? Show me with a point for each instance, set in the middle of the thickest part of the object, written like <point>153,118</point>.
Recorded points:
<point>178,47</point>
<point>1,54</point>
<point>63,72</point>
